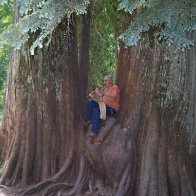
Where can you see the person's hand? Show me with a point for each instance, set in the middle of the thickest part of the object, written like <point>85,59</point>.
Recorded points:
<point>91,96</point>
<point>98,92</point>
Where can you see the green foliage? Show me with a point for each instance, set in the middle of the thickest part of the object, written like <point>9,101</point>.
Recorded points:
<point>4,59</point>
<point>29,6</point>
<point>6,13</point>
<point>2,2</point>
<point>39,16</point>
<point>129,6</point>
<point>105,26</point>
<point>173,20</point>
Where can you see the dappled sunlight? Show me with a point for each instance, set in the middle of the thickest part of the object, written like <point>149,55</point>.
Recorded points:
<point>4,191</point>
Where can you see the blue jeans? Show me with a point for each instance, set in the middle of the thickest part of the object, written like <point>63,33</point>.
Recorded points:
<point>93,114</point>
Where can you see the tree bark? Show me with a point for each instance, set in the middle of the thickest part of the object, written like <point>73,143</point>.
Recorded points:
<point>144,151</point>
<point>84,57</point>
<point>191,117</point>
<point>155,99</point>
<point>42,120</point>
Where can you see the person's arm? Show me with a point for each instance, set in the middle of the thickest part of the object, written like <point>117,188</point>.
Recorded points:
<point>96,95</point>
<point>99,93</point>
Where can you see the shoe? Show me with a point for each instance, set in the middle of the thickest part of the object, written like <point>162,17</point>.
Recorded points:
<point>98,144</point>
<point>91,134</point>
<point>86,124</point>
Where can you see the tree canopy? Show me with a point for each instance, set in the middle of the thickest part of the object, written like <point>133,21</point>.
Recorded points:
<point>169,20</point>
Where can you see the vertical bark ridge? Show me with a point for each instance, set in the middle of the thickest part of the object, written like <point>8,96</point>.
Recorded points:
<point>31,143</point>
<point>10,163</point>
<point>160,171</point>
<point>84,58</point>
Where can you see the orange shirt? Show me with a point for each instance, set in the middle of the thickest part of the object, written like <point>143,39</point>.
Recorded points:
<point>113,97</point>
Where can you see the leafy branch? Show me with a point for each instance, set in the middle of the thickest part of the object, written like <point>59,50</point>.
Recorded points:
<point>43,19</point>
<point>173,20</point>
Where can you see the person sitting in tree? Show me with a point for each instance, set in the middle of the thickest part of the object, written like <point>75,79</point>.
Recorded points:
<point>102,104</point>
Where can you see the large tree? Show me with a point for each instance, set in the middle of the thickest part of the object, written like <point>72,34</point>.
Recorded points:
<point>144,150</point>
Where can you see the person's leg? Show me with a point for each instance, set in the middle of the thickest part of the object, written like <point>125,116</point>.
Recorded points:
<point>91,104</point>
<point>96,120</point>
<point>110,111</point>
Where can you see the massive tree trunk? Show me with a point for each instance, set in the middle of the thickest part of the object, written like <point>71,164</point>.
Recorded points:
<point>144,151</point>
<point>155,102</point>
<point>40,124</point>
<point>42,130</point>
